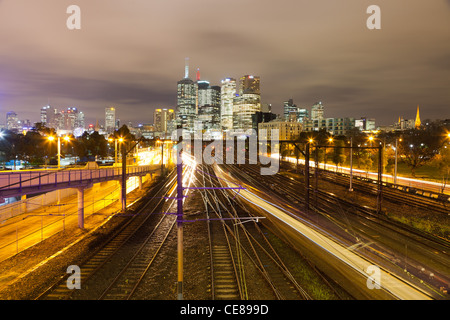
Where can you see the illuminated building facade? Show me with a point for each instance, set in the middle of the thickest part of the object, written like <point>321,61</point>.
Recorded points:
<point>247,103</point>
<point>110,119</point>
<point>227,95</point>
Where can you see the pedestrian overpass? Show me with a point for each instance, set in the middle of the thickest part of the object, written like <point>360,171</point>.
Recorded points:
<point>28,182</point>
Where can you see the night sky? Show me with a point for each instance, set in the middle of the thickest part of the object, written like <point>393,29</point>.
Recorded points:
<point>130,54</point>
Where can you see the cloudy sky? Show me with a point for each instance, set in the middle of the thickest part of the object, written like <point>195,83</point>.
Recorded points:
<point>131,53</point>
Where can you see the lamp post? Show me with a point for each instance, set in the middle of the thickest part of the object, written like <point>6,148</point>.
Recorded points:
<point>115,146</point>
<point>307,151</point>
<point>52,138</point>
<point>380,174</point>
<point>162,155</point>
<point>330,140</point>
<point>351,164</point>
<point>396,154</point>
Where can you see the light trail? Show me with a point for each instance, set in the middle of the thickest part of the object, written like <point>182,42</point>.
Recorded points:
<point>392,284</point>
<point>358,172</point>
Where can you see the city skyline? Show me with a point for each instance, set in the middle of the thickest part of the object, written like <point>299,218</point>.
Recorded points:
<point>302,51</point>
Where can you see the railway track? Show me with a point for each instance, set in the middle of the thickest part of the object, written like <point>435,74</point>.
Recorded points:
<point>122,262</point>
<point>356,219</point>
<point>248,241</point>
<point>390,191</point>
<point>226,282</point>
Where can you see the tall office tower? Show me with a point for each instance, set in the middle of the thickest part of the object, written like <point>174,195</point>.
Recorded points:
<point>186,101</point>
<point>249,84</point>
<point>302,115</point>
<point>161,118</point>
<point>12,121</point>
<point>79,121</point>
<point>48,116</point>
<point>290,111</point>
<point>317,111</point>
<point>227,95</point>
<point>209,106</point>
<point>247,103</point>
<point>244,107</point>
<point>110,119</point>
<point>44,115</point>
<point>202,95</point>
<point>71,119</point>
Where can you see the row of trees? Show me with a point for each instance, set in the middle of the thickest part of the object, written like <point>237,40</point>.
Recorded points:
<point>428,145</point>
<point>35,148</point>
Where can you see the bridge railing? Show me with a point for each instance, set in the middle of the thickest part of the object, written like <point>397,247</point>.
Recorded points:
<point>18,180</point>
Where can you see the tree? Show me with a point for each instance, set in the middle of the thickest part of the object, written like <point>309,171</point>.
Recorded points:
<point>339,156</point>
<point>93,144</point>
<point>8,146</point>
<point>97,145</point>
<point>420,146</point>
<point>442,161</point>
<point>32,148</point>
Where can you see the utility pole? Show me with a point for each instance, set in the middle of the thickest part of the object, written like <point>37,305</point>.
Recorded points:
<point>395,165</point>
<point>124,178</point>
<point>307,177</point>
<point>380,177</point>
<point>351,165</point>
<point>180,220</point>
<point>162,157</point>
<point>316,175</point>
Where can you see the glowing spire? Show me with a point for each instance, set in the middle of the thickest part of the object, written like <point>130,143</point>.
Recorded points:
<point>418,123</point>
<point>198,74</point>
<point>186,68</point>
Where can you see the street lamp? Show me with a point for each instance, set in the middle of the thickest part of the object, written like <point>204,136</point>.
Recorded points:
<point>351,165</point>
<point>330,140</point>
<point>380,173</point>
<point>51,139</point>
<point>162,155</point>
<point>396,152</point>
<point>115,147</point>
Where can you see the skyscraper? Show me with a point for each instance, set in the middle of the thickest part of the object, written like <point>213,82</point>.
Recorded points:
<point>227,95</point>
<point>71,119</point>
<point>186,101</point>
<point>244,107</point>
<point>290,110</point>
<point>12,121</point>
<point>249,84</point>
<point>110,119</point>
<point>48,116</point>
<point>247,103</point>
<point>302,115</point>
<point>209,108</point>
<point>161,118</point>
<point>317,111</point>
